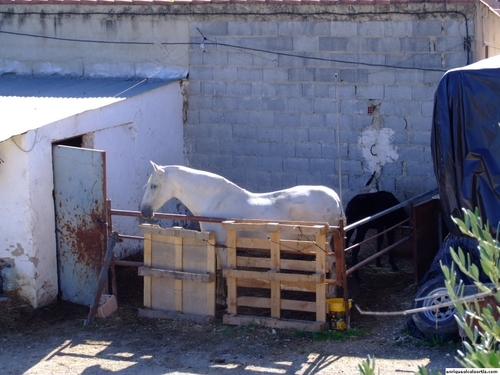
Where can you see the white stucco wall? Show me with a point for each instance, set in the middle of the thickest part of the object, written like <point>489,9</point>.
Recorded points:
<point>152,130</point>
<point>16,240</point>
<point>132,131</point>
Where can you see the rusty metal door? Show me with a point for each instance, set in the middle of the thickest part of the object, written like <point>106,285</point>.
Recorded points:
<point>79,197</point>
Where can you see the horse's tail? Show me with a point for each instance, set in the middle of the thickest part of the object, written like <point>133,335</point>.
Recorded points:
<point>371,179</point>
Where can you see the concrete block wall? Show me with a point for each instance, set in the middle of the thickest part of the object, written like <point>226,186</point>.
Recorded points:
<point>280,110</point>
<point>268,115</point>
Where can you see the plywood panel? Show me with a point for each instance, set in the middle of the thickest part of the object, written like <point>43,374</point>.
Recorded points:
<point>180,270</point>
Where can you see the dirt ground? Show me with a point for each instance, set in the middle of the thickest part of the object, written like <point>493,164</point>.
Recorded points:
<point>54,340</point>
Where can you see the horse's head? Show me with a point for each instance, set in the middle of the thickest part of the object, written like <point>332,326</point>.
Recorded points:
<point>157,192</point>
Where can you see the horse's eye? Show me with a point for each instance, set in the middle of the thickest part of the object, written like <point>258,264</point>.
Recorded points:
<point>154,186</point>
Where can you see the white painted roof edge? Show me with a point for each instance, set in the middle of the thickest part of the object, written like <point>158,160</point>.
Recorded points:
<point>20,114</point>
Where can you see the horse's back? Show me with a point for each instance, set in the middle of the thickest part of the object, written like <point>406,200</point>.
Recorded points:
<point>299,203</point>
<point>368,204</point>
<point>309,203</point>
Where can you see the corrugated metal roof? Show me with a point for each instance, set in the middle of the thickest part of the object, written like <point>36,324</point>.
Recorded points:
<point>28,102</point>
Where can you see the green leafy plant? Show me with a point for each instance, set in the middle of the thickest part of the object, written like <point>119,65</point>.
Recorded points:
<point>367,367</point>
<point>433,341</point>
<point>424,371</point>
<point>339,335</point>
<point>479,322</point>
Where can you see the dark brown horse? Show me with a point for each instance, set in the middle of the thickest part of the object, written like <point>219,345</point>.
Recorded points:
<point>365,205</point>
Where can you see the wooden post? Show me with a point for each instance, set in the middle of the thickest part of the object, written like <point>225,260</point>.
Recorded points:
<point>109,217</point>
<point>113,280</point>
<point>339,248</point>
<point>178,267</point>
<point>341,267</point>
<point>322,248</point>
<point>231,264</point>
<point>103,277</point>
<point>211,269</point>
<point>275,267</point>
<point>148,280</point>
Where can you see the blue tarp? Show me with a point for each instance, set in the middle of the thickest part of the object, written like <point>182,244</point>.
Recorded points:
<point>465,142</point>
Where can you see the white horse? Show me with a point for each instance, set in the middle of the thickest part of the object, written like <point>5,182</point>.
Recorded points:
<point>210,195</point>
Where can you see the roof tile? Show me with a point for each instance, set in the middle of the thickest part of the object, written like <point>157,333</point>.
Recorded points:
<point>198,2</point>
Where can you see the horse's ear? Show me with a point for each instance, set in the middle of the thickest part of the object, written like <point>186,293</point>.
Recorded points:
<point>155,167</point>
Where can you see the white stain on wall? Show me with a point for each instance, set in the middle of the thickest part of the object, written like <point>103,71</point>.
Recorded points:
<point>377,147</point>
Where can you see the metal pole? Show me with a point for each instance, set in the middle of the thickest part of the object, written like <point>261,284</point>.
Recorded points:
<point>382,213</point>
<point>113,239</point>
<point>169,216</point>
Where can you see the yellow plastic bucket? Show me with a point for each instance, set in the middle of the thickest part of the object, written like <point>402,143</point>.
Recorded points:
<point>337,304</point>
<point>336,312</point>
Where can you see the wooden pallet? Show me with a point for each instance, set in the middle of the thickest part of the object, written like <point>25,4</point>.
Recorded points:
<point>265,268</point>
<point>179,274</point>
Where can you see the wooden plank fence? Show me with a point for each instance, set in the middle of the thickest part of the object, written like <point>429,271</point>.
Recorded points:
<point>265,268</point>
<point>169,294</point>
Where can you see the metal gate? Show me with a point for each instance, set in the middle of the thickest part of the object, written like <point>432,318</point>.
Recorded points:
<point>79,198</point>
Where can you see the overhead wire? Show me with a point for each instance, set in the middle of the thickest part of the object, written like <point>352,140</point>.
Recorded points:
<point>321,58</point>
<point>31,147</point>
<point>74,40</point>
<point>207,41</point>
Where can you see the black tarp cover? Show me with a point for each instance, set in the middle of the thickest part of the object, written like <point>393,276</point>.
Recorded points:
<point>465,141</point>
